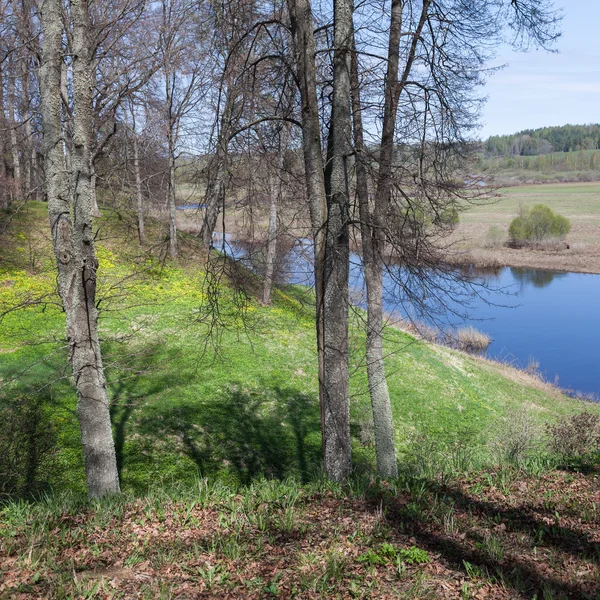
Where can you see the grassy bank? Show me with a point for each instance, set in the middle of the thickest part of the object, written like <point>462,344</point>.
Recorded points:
<point>217,429</point>
<point>226,390</point>
<point>579,202</point>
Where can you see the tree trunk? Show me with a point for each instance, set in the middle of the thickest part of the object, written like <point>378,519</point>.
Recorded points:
<point>14,143</point>
<point>215,189</point>
<point>173,250</point>
<point>373,263</point>
<point>73,239</point>
<point>304,50</point>
<point>276,191</point>
<point>138,188</point>
<point>271,238</point>
<point>3,170</point>
<point>28,141</point>
<point>338,460</point>
<point>215,196</point>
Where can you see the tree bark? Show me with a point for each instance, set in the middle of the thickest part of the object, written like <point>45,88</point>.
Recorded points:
<point>4,197</point>
<point>304,49</point>
<point>12,124</point>
<point>173,250</point>
<point>276,191</point>
<point>73,239</point>
<point>138,187</point>
<point>338,459</point>
<point>94,196</point>
<point>28,137</point>
<point>378,389</point>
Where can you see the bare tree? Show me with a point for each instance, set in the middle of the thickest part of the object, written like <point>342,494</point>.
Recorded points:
<point>72,235</point>
<point>180,47</point>
<point>444,53</point>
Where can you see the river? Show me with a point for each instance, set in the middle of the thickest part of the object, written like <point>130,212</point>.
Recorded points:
<point>534,317</point>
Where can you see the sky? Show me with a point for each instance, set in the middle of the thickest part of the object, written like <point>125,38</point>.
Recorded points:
<point>538,88</point>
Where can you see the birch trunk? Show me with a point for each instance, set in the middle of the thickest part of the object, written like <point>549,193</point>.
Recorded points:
<point>4,200</point>
<point>73,240</point>
<point>304,49</point>
<point>138,188</point>
<point>373,263</point>
<point>272,237</point>
<point>14,143</point>
<point>173,250</point>
<point>28,141</point>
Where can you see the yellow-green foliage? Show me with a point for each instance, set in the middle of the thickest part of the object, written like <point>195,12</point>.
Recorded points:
<point>538,224</point>
<point>227,391</point>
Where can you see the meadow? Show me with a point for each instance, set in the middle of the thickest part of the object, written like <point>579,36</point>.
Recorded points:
<point>483,230</point>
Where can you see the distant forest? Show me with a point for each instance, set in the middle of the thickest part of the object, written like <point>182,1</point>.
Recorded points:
<point>546,140</point>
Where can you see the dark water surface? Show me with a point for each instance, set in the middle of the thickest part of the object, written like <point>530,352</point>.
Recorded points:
<point>533,316</point>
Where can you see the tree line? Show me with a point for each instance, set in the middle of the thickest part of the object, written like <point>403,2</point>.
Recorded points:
<point>376,99</point>
<point>545,140</point>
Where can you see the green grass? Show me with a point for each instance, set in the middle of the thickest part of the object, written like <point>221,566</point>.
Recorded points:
<point>579,202</point>
<point>232,404</point>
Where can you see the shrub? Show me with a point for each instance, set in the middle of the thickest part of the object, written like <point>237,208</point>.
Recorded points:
<point>470,339</point>
<point>538,224</point>
<point>576,437</point>
<point>495,237</point>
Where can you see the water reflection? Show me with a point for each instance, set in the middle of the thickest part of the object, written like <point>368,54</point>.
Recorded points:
<point>539,278</point>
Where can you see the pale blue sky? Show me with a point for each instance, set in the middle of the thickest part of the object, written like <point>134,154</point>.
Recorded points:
<point>538,88</point>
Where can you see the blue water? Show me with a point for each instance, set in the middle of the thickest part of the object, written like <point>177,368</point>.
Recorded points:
<point>192,206</point>
<point>532,316</point>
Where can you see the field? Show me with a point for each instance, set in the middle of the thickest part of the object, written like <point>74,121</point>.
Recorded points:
<point>216,424</point>
<point>579,202</point>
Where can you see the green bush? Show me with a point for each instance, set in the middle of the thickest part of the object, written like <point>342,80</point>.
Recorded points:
<point>538,224</point>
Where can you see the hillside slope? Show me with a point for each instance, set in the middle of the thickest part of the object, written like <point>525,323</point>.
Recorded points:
<point>207,382</point>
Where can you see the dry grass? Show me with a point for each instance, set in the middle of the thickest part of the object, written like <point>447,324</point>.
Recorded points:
<point>470,339</point>
<point>476,238</point>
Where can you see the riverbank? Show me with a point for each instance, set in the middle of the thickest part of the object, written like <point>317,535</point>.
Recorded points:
<point>192,386</point>
<point>578,253</point>
<point>217,432</point>
<point>481,237</point>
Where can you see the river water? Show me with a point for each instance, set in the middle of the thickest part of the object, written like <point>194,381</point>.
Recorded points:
<point>534,317</point>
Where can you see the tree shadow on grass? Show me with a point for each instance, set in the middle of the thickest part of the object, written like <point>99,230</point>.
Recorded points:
<point>513,571</point>
<point>137,376</point>
<point>271,432</point>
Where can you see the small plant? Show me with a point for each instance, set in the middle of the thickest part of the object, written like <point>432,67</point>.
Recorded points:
<point>538,224</point>
<point>371,558</point>
<point>518,437</point>
<point>414,556</point>
<point>387,553</point>
<point>495,237</point>
<point>576,437</point>
<point>493,547</point>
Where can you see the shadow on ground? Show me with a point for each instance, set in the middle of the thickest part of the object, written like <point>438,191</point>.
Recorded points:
<point>243,433</point>
<point>545,564</point>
